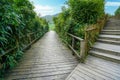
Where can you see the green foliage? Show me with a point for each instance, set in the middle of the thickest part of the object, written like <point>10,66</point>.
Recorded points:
<point>77,16</point>
<point>51,26</point>
<point>86,11</point>
<point>17,20</point>
<point>117,12</point>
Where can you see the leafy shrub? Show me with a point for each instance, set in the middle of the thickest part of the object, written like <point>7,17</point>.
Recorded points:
<point>78,14</point>
<point>17,20</point>
<point>86,11</point>
<point>117,12</point>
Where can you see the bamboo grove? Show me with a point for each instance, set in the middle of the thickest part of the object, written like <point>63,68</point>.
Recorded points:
<point>17,21</point>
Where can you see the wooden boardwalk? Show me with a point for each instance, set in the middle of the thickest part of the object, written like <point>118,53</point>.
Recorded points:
<point>47,59</point>
<point>96,69</point>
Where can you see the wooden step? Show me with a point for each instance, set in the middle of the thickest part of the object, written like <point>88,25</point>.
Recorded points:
<point>113,23</point>
<point>105,51</point>
<point>107,47</point>
<point>109,41</point>
<point>111,32</point>
<point>105,56</point>
<point>112,27</point>
<point>111,37</point>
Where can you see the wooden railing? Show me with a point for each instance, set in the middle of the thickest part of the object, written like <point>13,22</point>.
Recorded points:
<point>80,53</point>
<point>30,42</point>
<point>91,33</point>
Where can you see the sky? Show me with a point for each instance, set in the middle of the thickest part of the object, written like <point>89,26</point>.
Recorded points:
<point>51,7</point>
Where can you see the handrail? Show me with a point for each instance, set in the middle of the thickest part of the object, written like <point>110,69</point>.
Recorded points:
<point>90,29</point>
<point>8,51</point>
<point>12,49</point>
<point>81,54</point>
<point>75,36</point>
<point>90,35</point>
<point>29,34</point>
<point>93,31</point>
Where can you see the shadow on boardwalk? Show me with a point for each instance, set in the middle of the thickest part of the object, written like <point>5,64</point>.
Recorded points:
<point>47,59</point>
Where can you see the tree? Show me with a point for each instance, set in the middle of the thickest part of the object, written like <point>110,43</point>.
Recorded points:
<point>117,12</point>
<point>86,11</point>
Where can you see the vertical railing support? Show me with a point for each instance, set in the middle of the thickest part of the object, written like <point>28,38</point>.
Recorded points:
<point>82,50</point>
<point>29,38</point>
<point>73,40</point>
<point>0,66</point>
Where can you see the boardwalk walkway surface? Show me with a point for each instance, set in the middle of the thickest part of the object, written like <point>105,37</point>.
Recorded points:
<point>47,59</point>
<point>96,69</point>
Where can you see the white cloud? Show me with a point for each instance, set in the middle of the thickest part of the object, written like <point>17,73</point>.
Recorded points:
<point>44,10</point>
<point>112,3</point>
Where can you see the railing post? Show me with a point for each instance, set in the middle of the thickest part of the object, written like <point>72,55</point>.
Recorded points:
<point>0,66</point>
<point>29,38</point>
<point>73,42</point>
<point>82,50</point>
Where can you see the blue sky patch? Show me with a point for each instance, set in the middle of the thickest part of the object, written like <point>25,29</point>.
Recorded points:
<point>51,7</point>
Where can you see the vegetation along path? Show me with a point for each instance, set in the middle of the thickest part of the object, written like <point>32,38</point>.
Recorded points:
<point>47,59</point>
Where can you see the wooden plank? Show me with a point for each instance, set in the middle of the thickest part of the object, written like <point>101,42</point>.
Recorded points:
<point>43,70</point>
<point>56,77</point>
<point>98,69</point>
<point>105,70</point>
<point>102,72</point>
<point>76,77</point>
<point>44,65</point>
<point>83,75</point>
<point>94,72</point>
<point>39,74</point>
<point>94,76</point>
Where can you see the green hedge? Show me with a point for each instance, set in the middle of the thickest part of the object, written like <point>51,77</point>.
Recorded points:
<point>17,20</point>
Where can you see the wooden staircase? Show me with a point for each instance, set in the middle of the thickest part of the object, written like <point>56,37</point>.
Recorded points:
<point>103,63</point>
<point>108,44</point>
